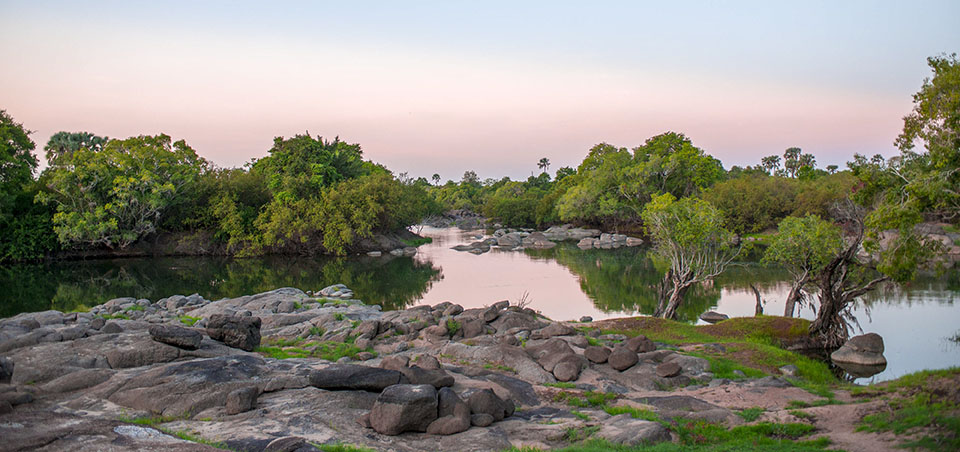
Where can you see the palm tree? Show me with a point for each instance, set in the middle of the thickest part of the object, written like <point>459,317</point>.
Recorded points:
<point>436,179</point>
<point>544,164</point>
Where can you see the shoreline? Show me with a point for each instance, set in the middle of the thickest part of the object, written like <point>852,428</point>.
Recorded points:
<point>175,361</point>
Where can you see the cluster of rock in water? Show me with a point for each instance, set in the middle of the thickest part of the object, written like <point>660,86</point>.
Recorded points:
<point>519,239</point>
<point>441,377</point>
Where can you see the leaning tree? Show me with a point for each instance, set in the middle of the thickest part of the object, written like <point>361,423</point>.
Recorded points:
<point>804,246</point>
<point>690,235</point>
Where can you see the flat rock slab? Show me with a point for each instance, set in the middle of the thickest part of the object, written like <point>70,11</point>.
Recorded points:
<point>354,377</point>
<point>177,336</point>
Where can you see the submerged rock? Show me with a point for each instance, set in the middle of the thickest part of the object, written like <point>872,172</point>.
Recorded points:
<point>863,350</point>
<point>713,317</point>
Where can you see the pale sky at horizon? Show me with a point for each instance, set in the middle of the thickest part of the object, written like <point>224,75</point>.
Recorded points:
<point>450,86</point>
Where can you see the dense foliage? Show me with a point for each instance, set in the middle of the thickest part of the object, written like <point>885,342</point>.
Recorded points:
<point>117,195</point>
<point>25,230</point>
<point>610,188</point>
<point>804,246</point>
<point>308,196</point>
<point>689,235</point>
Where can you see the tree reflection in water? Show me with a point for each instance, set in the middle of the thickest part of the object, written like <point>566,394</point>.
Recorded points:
<point>393,283</point>
<point>625,280</point>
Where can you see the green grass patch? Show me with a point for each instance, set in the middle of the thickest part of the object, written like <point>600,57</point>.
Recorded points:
<point>120,316</point>
<point>317,331</point>
<point>922,404</point>
<point>298,348</point>
<point>724,367</point>
<point>339,447</point>
<point>452,327</point>
<point>155,421</point>
<point>152,421</point>
<point>750,414</point>
<point>187,320</point>
<point>636,413</point>
<point>588,399</point>
<point>499,367</point>
<point>580,415</point>
<point>80,308</point>
<point>822,402</point>
<point>417,241</point>
<point>705,437</point>
<point>577,434</point>
<point>802,415</point>
<point>593,341</point>
<point>187,436</point>
<point>338,316</point>
<point>561,384</point>
<point>135,307</point>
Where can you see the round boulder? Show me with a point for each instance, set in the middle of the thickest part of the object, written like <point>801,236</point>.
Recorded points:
<point>622,358</point>
<point>401,408</point>
<point>864,350</point>
<point>597,354</point>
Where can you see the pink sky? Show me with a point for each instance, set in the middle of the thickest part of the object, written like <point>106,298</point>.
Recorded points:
<point>442,108</point>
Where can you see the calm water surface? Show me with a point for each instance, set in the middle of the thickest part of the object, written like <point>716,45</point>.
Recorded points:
<point>916,322</point>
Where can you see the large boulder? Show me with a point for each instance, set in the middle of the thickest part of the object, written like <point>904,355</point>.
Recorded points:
<point>176,336</point>
<point>568,368</point>
<point>242,399</point>
<point>668,369</point>
<point>509,319</point>
<point>640,344</point>
<point>597,354</point>
<point>402,408</point>
<point>554,329</point>
<point>6,369</point>
<point>622,429</point>
<point>550,353</point>
<point>453,412</point>
<point>622,358</point>
<point>863,350</point>
<point>355,377</point>
<point>485,401</point>
<point>241,332</point>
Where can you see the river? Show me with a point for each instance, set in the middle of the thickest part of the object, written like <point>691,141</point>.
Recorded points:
<point>920,323</point>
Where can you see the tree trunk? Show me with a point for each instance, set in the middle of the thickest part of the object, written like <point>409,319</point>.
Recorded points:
<point>675,298</point>
<point>663,293</point>
<point>792,299</point>
<point>758,309</point>
<point>829,329</point>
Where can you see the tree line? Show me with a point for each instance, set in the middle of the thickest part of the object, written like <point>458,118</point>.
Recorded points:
<point>307,196</point>
<point>839,233</point>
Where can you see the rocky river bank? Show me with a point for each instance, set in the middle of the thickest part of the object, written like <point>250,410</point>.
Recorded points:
<point>292,370</point>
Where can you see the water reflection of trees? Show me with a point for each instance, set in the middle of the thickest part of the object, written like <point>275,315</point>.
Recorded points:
<point>926,288</point>
<point>625,280</point>
<point>391,282</point>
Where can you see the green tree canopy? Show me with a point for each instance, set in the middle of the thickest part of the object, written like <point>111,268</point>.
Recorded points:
<point>62,145</point>
<point>804,246</point>
<point>115,196</point>
<point>614,184</point>
<point>299,167</point>
<point>17,161</point>
<point>690,236</point>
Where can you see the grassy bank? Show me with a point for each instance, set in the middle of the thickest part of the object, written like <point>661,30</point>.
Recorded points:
<point>923,408</point>
<point>743,347</point>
